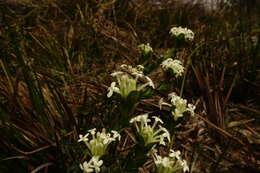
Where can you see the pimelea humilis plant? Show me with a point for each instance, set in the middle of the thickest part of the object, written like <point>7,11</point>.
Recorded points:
<point>149,132</point>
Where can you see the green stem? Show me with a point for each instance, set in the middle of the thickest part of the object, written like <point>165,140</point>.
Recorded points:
<point>187,67</point>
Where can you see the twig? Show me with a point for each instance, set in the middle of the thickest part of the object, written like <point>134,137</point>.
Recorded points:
<point>220,130</point>
<point>41,167</point>
<point>31,152</point>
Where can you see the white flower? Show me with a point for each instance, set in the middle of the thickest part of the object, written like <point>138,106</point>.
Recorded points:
<point>117,73</point>
<point>86,167</point>
<point>161,103</point>
<point>165,135</point>
<point>112,89</point>
<point>165,161</point>
<point>175,65</point>
<point>175,154</point>
<point>185,166</point>
<point>146,48</point>
<point>135,71</point>
<point>137,74</point>
<point>149,82</point>
<point>187,33</point>
<point>116,135</point>
<point>180,105</point>
<point>96,163</point>
<point>172,96</point>
<point>124,65</point>
<point>83,138</point>
<point>92,131</point>
<point>164,164</point>
<point>156,120</point>
<point>140,118</point>
<point>140,67</point>
<point>105,138</point>
<point>191,109</point>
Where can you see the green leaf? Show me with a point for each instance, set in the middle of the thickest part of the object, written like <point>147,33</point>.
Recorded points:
<point>164,86</point>
<point>133,97</point>
<point>146,93</point>
<point>169,54</point>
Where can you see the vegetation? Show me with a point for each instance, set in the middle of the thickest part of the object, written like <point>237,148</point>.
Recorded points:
<point>56,58</point>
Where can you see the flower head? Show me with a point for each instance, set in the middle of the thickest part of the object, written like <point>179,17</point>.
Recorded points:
<point>178,31</point>
<point>92,166</point>
<point>135,71</point>
<point>178,105</point>
<point>99,142</point>
<point>150,133</point>
<point>128,81</point>
<point>175,65</point>
<point>171,163</point>
<point>146,48</point>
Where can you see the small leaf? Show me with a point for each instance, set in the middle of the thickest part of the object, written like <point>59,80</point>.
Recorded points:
<point>164,86</point>
<point>148,92</point>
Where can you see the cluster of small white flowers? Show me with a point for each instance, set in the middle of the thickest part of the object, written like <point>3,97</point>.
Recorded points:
<point>173,163</point>
<point>175,65</point>
<point>99,141</point>
<point>127,81</point>
<point>151,134</point>
<point>146,48</point>
<point>187,33</point>
<point>135,71</point>
<point>191,109</point>
<point>179,105</point>
<point>97,147</point>
<point>92,166</point>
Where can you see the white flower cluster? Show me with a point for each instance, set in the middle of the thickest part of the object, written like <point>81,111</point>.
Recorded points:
<point>151,134</point>
<point>171,164</point>
<point>178,105</point>
<point>175,65</point>
<point>128,81</point>
<point>99,141</point>
<point>97,147</point>
<point>93,165</point>
<point>146,48</point>
<point>187,33</point>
